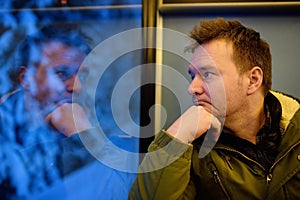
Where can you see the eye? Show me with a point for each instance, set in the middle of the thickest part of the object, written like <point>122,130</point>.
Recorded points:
<point>207,75</point>
<point>62,75</point>
<point>64,72</point>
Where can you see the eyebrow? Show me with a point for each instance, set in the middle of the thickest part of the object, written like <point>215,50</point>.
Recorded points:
<point>193,69</point>
<point>68,68</point>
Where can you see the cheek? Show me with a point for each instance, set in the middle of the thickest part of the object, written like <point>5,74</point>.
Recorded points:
<point>52,82</point>
<point>233,88</point>
<point>48,89</point>
<point>235,96</point>
<point>217,94</point>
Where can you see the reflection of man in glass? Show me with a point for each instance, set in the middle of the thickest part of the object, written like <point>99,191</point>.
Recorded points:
<point>37,124</point>
<point>52,78</point>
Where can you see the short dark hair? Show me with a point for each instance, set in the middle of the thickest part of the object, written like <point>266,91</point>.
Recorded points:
<point>68,34</point>
<point>249,49</point>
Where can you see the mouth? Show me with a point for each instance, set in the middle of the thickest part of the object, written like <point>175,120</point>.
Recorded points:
<point>51,106</point>
<point>204,103</point>
<point>209,107</point>
<point>198,102</point>
<point>61,101</point>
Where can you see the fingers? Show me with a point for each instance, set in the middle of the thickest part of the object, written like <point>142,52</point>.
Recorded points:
<point>69,119</point>
<point>193,123</point>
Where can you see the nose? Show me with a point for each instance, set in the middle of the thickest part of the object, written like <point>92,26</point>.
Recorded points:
<point>197,85</point>
<point>73,84</point>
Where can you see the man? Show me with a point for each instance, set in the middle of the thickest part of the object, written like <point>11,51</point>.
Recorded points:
<point>37,125</point>
<point>257,154</point>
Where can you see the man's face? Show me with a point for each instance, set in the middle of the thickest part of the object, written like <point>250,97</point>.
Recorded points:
<point>216,84</point>
<point>54,79</point>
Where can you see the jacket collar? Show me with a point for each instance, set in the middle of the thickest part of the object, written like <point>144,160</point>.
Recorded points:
<point>289,105</point>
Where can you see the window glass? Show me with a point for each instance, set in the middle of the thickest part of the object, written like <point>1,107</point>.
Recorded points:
<point>66,81</point>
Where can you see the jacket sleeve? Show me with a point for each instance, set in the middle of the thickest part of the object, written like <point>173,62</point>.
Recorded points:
<point>74,155</point>
<point>165,171</point>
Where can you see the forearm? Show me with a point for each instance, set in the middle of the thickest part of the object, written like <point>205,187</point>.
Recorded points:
<point>165,170</point>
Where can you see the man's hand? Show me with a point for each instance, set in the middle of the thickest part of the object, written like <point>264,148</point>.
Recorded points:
<point>194,123</point>
<point>62,118</point>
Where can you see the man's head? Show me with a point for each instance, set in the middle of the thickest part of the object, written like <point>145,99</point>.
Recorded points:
<point>230,68</point>
<point>249,50</point>
<point>49,62</point>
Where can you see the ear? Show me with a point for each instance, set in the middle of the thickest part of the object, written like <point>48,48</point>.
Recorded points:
<point>21,77</point>
<point>255,79</point>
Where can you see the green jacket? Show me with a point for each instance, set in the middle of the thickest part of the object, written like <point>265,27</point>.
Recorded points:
<point>173,170</point>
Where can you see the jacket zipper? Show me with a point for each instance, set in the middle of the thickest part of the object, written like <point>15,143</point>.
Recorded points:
<point>269,176</point>
<point>227,160</point>
<point>243,155</point>
<point>220,183</point>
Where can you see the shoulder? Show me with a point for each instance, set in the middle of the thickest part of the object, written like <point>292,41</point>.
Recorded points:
<point>12,98</point>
